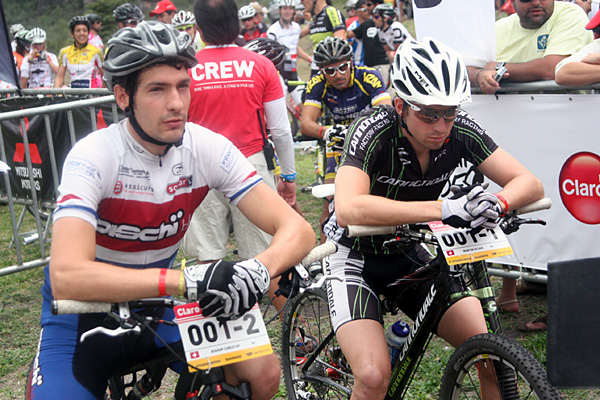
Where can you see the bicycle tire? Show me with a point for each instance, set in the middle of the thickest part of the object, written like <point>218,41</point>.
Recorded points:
<point>461,380</point>
<point>305,328</point>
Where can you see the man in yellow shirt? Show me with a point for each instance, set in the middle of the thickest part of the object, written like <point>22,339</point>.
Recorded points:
<point>532,41</point>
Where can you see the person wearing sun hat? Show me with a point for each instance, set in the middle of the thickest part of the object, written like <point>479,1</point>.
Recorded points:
<point>164,11</point>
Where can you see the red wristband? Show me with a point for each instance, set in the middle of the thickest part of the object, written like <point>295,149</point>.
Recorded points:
<point>321,132</point>
<point>503,200</point>
<point>162,282</point>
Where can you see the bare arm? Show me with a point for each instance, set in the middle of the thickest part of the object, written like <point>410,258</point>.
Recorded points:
<point>534,70</point>
<point>303,55</point>
<point>24,82</point>
<point>60,76</point>
<point>308,120</point>
<point>340,34</point>
<point>355,206</point>
<point>293,237</point>
<point>584,72</point>
<point>76,276</point>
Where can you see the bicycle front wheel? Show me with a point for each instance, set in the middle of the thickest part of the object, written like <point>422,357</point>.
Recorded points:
<point>501,364</point>
<point>313,364</point>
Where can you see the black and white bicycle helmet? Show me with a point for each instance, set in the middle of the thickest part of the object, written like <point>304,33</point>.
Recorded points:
<point>14,28</point>
<point>132,49</point>
<point>78,20</point>
<point>386,10</point>
<point>350,4</point>
<point>269,48</point>
<point>93,18</point>
<point>430,73</point>
<point>183,18</point>
<point>246,12</point>
<point>287,3</point>
<point>128,11</point>
<point>21,38</point>
<point>36,35</point>
<point>331,49</point>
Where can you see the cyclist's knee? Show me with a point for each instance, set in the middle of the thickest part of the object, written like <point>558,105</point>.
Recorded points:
<point>372,380</point>
<point>267,383</point>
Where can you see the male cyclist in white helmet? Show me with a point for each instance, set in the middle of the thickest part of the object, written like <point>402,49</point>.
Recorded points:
<point>395,163</point>
<point>185,21</point>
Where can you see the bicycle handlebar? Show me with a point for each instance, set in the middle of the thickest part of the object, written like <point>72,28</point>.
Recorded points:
<point>89,307</point>
<point>365,230</point>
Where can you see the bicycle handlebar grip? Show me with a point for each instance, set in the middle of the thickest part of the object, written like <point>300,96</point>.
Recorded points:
<point>319,252</point>
<point>542,204</point>
<point>79,307</point>
<point>365,230</point>
<point>304,138</point>
<point>324,190</point>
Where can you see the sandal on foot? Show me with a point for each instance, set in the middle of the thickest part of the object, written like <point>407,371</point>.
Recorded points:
<point>502,308</point>
<point>538,324</point>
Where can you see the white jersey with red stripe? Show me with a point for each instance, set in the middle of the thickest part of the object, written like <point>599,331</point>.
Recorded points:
<point>141,204</point>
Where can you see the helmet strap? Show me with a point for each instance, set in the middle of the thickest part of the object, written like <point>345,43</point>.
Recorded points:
<point>403,125</point>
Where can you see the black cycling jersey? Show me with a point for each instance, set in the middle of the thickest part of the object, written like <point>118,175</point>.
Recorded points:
<point>324,24</point>
<point>375,144</point>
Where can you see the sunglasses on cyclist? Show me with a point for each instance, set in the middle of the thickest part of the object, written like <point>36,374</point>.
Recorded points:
<point>133,22</point>
<point>362,9</point>
<point>376,16</point>
<point>247,19</point>
<point>184,28</point>
<point>331,71</point>
<point>369,4</point>
<point>431,115</point>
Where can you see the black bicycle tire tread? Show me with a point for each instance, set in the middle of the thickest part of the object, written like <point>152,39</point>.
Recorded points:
<point>505,348</point>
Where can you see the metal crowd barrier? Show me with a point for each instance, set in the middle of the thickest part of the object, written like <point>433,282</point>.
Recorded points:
<point>103,96</point>
<point>32,204</point>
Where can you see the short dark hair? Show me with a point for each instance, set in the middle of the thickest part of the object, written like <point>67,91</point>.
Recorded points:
<point>218,20</point>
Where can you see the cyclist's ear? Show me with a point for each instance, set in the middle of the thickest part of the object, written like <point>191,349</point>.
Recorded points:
<point>121,96</point>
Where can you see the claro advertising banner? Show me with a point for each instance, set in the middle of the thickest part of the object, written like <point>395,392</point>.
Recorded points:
<point>555,137</point>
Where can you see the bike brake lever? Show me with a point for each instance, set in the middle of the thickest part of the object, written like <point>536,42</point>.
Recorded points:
<point>319,284</point>
<point>110,332</point>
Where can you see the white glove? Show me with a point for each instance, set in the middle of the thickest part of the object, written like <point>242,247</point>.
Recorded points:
<point>471,207</point>
<point>335,136</point>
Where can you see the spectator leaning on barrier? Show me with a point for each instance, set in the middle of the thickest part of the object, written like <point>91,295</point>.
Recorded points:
<point>583,67</point>
<point>128,15</point>
<point>533,41</point>
<point>39,67</point>
<point>164,11</point>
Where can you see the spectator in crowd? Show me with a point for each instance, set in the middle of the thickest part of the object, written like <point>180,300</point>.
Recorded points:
<point>14,29</point>
<point>247,15</point>
<point>260,15</point>
<point>371,4</point>
<point>239,103</point>
<point>585,4</point>
<point>128,15</point>
<point>287,32</point>
<point>39,67</point>
<point>532,42</point>
<point>351,16</point>
<point>392,33</point>
<point>374,52</point>
<point>164,11</point>
<point>326,21</point>
<point>346,91</point>
<point>95,27</point>
<point>81,59</point>
<point>362,14</point>
<point>22,48</point>
<point>186,22</point>
<point>583,67</point>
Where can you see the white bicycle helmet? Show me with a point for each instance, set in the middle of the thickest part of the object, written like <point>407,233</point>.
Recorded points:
<point>287,3</point>
<point>183,18</point>
<point>246,12</point>
<point>350,4</point>
<point>132,49</point>
<point>36,35</point>
<point>387,10</point>
<point>14,28</point>
<point>430,73</point>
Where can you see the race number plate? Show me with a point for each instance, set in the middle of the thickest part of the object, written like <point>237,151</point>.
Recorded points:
<point>462,246</point>
<point>208,342</point>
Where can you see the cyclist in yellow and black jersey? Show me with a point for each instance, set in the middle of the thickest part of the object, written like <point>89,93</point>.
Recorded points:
<point>81,59</point>
<point>327,21</point>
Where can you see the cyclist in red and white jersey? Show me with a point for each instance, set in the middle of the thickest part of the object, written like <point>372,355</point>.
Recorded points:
<point>126,198</point>
<point>251,29</point>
